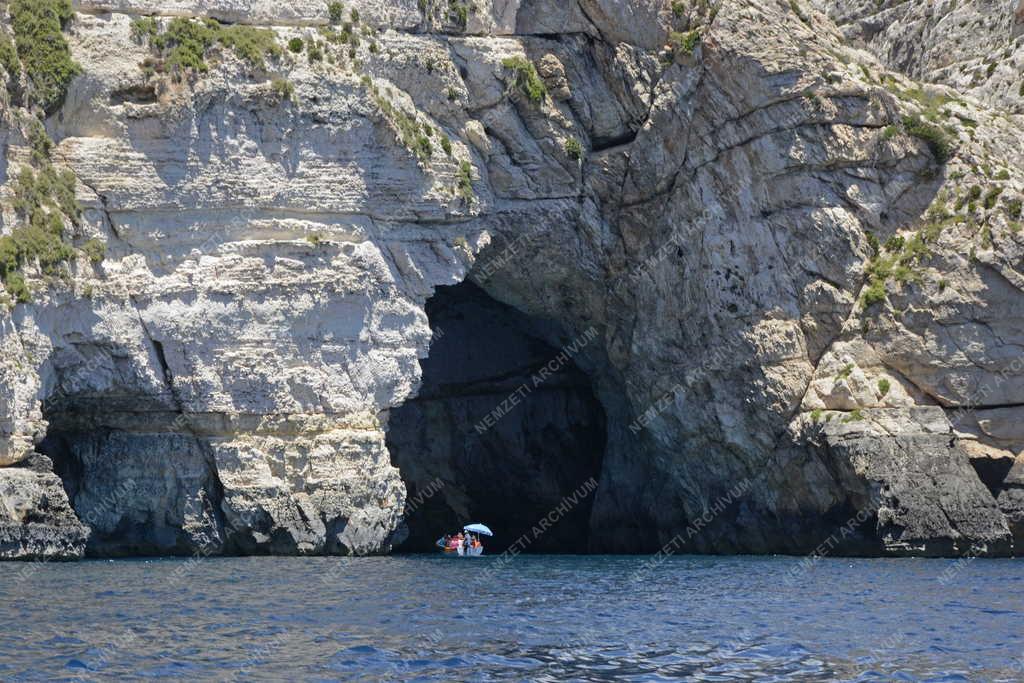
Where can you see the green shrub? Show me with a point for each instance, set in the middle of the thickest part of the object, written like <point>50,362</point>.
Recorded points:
<point>314,53</point>
<point>446,145</point>
<point>282,87</point>
<point>873,243</point>
<point>526,78</point>
<point>816,415</point>
<point>678,9</point>
<point>95,249</point>
<point>875,293</point>
<point>991,196</point>
<point>144,29</point>
<point>42,49</point>
<point>459,14</point>
<point>184,44</point>
<point>453,94</point>
<point>895,243</point>
<point>684,42</point>
<point>424,149</point>
<point>1013,209</point>
<point>883,386</point>
<point>295,45</point>
<point>39,200</point>
<point>889,132</point>
<point>939,141</point>
<point>573,148</point>
<point>465,181</point>
<point>1003,175</point>
<point>9,57</point>
<point>354,15</point>
<point>335,11</point>
<point>39,142</point>
<point>249,43</point>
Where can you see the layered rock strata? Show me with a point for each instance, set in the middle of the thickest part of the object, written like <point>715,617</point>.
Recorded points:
<point>801,270</point>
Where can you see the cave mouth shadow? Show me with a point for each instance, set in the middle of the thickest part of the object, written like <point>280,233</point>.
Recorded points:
<point>486,440</point>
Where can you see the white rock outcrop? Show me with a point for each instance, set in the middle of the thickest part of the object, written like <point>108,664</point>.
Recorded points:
<point>761,225</point>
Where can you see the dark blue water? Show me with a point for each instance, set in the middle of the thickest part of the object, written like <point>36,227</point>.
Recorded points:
<point>534,618</point>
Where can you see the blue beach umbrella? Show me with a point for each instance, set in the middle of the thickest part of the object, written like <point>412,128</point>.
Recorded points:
<point>478,529</point>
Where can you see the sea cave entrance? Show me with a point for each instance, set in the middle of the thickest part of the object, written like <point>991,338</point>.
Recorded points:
<point>470,452</point>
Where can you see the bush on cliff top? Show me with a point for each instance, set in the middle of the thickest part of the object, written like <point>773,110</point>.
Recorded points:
<point>42,49</point>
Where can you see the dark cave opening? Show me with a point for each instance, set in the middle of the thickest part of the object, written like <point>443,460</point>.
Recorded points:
<point>470,451</point>
<point>129,477</point>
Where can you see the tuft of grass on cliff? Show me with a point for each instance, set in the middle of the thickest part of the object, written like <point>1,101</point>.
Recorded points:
<point>42,50</point>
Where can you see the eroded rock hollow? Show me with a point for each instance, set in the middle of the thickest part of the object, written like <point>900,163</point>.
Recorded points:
<point>502,429</point>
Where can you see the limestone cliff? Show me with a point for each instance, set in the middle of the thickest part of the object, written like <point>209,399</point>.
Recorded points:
<point>794,268</point>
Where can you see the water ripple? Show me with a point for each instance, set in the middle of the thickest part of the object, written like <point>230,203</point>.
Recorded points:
<point>539,618</point>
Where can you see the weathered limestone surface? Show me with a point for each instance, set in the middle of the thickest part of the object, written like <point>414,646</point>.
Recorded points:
<point>975,46</point>
<point>36,522</point>
<point>223,381</point>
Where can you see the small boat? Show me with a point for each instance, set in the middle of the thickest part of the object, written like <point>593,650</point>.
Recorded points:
<point>461,549</point>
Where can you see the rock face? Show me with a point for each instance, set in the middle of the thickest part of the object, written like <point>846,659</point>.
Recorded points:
<point>976,46</point>
<point>36,522</point>
<point>796,272</point>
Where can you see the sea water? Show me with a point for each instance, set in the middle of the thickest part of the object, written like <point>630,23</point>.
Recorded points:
<point>539,618</point>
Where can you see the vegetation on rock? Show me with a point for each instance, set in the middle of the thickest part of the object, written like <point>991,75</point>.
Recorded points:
<point>526,78</point>
<point>183,46</point>
<point>465,182</point>
<point>684,42</point>
<point>335,11</point>
<point>9,58</point>
<point>42,49</point>
<point>43,200</point>
<point>573,148</point>
<point>283,88</point>
<point>938,140</point>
